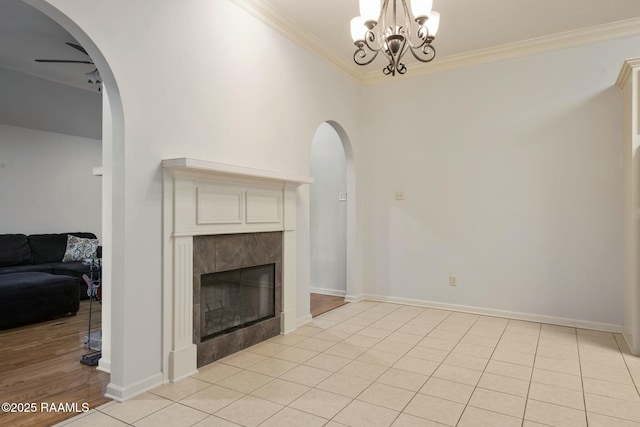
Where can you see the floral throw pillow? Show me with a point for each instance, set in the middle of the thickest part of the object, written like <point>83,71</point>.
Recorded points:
<point>79,249</point>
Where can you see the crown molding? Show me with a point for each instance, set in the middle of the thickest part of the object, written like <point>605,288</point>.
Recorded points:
<point>625,72</point>
<point>569,39</point>
<point>274,18</point>
<point>599,33</point>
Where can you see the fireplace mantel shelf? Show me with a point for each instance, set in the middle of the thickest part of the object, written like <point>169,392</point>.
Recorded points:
<point>187,164</point>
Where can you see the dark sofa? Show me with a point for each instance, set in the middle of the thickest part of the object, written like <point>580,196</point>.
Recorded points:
<point>35,284</point>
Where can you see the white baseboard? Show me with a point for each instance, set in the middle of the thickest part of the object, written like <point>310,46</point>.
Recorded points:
<point>628,341</point>
<point>354,298</point>
<point>288,322</point>
<point>104,365</point>
<point>120,394</point>
<point>562,321</point>
<point>303,320</point>
<point>182,362</point>
<point>175,380</point>
<point>326,291</point>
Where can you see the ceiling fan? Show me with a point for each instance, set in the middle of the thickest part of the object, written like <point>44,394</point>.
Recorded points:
<point>94,76</point>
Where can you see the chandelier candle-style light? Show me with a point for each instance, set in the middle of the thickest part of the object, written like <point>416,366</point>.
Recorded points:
<point>377,30</point>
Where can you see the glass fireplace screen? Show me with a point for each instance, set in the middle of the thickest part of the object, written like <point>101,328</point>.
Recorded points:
<point>235,299</point>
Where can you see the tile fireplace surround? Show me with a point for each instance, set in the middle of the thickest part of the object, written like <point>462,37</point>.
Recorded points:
<point>203,198</point>
<point>212,254</point>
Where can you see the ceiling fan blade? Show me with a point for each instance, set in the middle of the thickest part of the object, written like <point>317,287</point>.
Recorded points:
<point>78,47</point>
<point>64,61</point>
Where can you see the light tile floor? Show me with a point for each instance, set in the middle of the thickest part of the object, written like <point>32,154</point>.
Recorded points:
<point>377,364</point>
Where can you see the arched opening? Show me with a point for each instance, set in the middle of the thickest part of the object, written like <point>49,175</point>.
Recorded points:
<point>332,206</point>
<point>112,200</point>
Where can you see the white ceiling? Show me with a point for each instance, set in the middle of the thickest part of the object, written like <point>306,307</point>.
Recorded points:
<point>466,26</point>
<point>27,34</point>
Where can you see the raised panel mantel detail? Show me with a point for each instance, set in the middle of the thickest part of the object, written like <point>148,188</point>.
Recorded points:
<point>214,198</point>
<point>263,207</point>
<point>218,205</point>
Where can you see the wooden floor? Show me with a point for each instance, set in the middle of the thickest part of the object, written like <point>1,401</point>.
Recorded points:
<point>41,363</point>
<point>322,303</point>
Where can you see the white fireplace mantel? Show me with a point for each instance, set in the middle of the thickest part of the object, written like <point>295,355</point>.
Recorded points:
<point>193,165</point>
<point>206,198</point>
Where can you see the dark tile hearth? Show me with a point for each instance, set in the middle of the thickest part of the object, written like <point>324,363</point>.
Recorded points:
<point>224,345</point>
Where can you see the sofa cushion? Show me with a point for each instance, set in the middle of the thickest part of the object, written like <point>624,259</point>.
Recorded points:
<point>51,247</point>
<point>74,269</point>
<point>28,268</point>
<point>31,297</point>
<point>14,250</point>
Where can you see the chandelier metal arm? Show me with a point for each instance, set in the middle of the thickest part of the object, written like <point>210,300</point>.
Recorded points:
<point>361,54</point>
<point>371,41</point>
<point>423,51</point>
<point>395,66</point>
<point>372,48</point>
<point>427,50</point>
<point>423,37</point>
<point>394,40</point>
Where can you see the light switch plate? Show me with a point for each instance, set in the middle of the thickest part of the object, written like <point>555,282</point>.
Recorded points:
<point>342,197</point>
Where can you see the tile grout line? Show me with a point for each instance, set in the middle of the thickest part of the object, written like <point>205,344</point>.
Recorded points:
<point>449,353</point>
<point>562,387</point>
<point>632,380</point>
<point>624,359</point>
<point>312,388</point>
<point>429,377</point>
<point>389,367</point>
<point>269,382</point>
<point>139,419</point>
<point>155,412</point>
<point>475,387</point>
<point>245,369</point>
<point>584,399</point>
<point>332,372</point>
<point>485,366</point>
<point>526,399</point>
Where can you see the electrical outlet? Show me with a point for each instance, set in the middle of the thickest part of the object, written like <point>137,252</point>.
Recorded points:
<point>399,195</point>
<point>453,281</point>
<point>342,197</point>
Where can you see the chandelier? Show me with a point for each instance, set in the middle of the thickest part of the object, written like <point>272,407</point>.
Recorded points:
<point>378,29</point>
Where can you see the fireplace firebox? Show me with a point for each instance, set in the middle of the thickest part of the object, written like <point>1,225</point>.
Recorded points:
<point>235,299</point>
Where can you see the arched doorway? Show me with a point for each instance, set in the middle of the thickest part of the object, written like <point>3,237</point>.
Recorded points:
<point>112,203</point>
<point>332,206</point>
